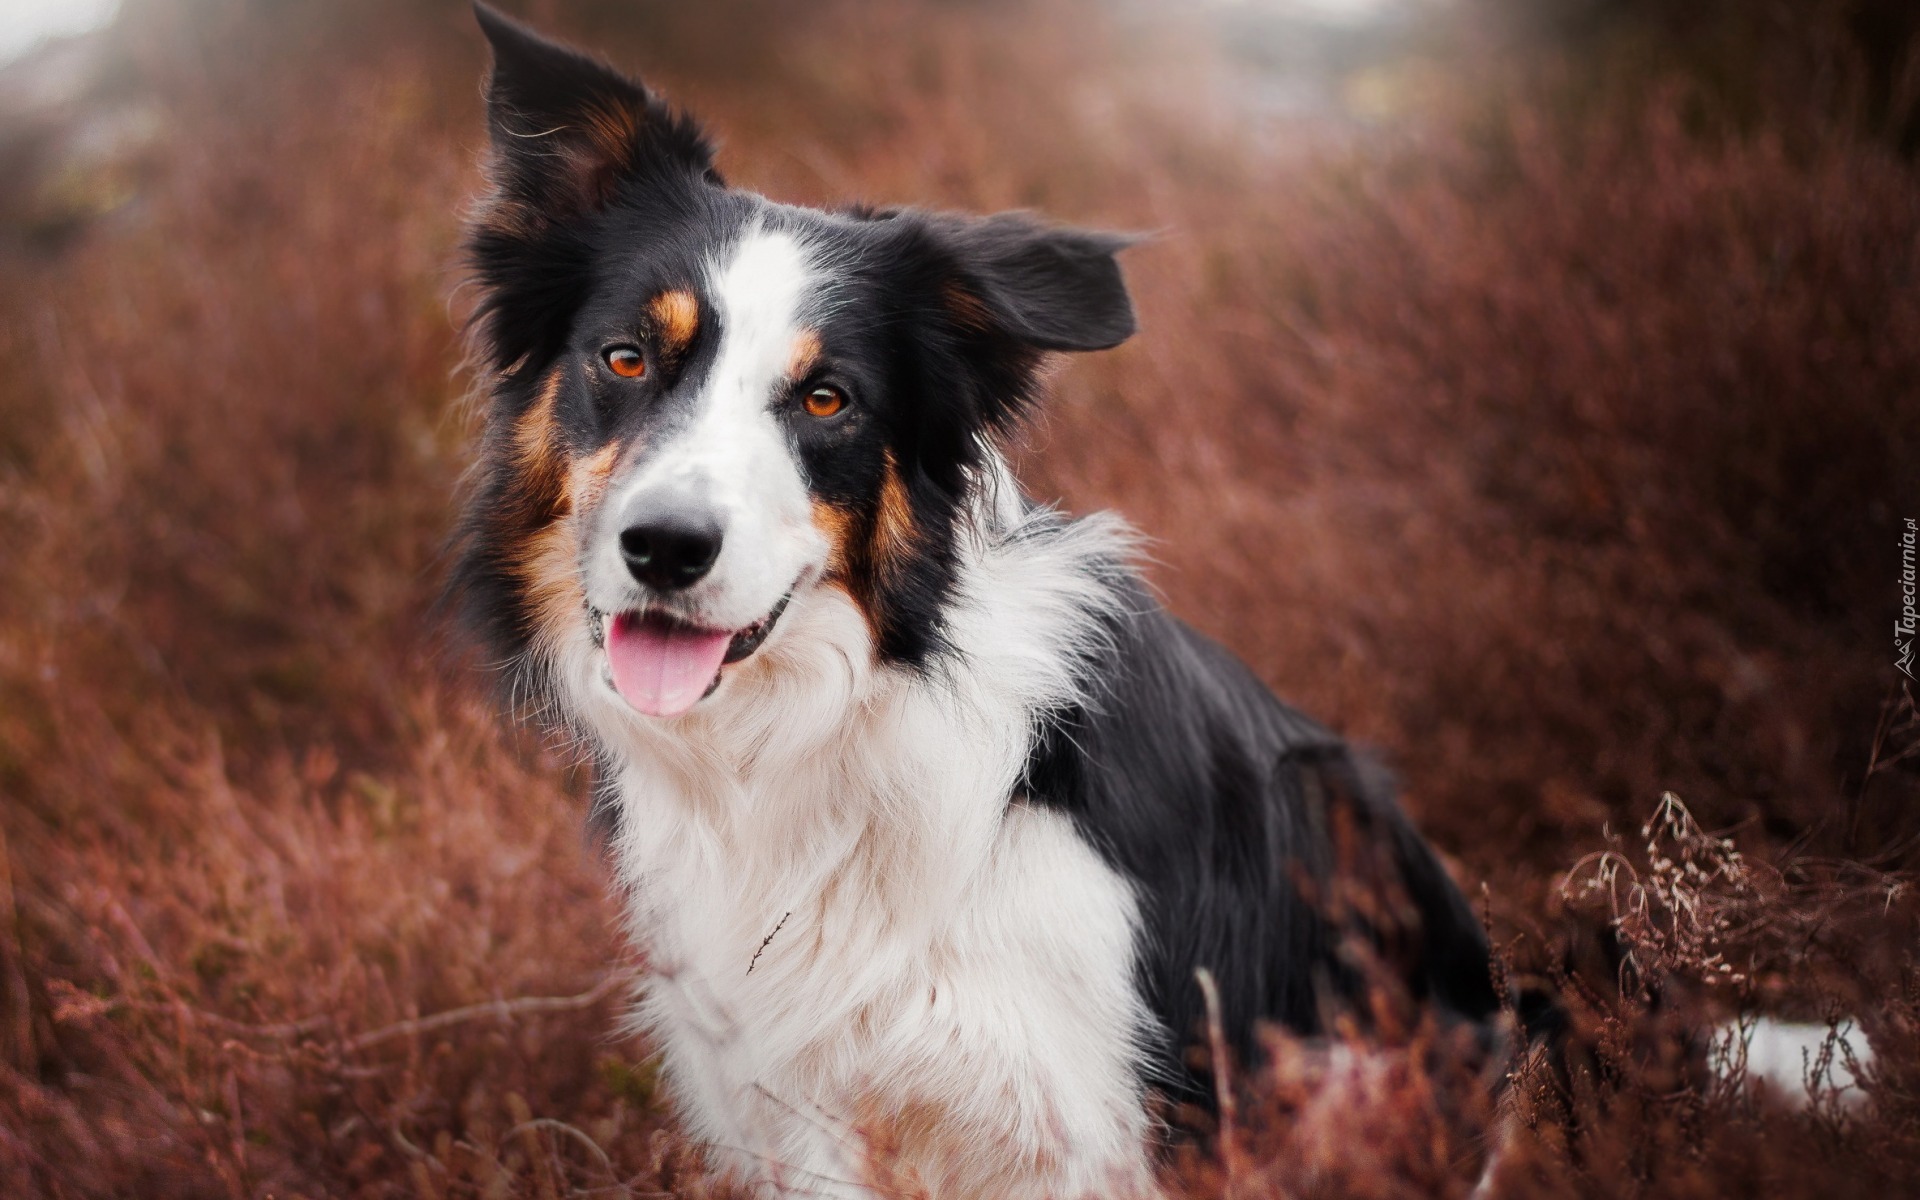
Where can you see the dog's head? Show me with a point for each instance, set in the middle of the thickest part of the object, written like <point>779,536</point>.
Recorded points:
<point>706,405</point>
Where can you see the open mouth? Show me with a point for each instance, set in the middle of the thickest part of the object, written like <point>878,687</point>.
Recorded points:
<point>663,665</point>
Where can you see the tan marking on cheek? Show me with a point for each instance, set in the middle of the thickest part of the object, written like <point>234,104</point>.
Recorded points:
<point>587,481</point>
<point>536,454</point>
<point>676,318</point>
<point>837,525</point>
<point>550,564</point>
<point>549,567</point>
<point>556,491</point>
<point>869,553</point>
<point>805,355</point>
<point>893,532</point>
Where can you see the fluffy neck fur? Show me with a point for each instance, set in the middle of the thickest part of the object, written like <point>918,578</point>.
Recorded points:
<point>812,855</point>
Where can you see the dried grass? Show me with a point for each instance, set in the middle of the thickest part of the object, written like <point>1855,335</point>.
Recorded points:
<point>1555,447</point>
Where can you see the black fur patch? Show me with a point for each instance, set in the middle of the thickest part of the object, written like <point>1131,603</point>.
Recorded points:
<point>1260,848</point>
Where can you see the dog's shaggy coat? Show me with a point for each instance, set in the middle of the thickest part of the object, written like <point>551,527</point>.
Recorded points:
<point>927,815</point>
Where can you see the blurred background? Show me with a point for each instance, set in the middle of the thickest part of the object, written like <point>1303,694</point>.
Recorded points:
<point>1529,389</point>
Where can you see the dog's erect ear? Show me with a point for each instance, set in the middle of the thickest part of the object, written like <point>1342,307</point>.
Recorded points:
<point>1051,288</point>
<point>567,129</point>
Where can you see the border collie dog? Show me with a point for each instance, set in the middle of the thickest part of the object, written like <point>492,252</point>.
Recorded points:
<point>926,815</point>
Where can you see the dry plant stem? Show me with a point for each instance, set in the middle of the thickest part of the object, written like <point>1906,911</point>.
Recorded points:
<point>1222,1076</point>
<point>502,1010</point>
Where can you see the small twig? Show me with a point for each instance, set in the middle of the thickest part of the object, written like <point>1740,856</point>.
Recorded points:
<point>579,1135</point>
<point>1222,1077</point>
<point>765,941</point>
<point>290,1029</point>
<point>500,1009</point>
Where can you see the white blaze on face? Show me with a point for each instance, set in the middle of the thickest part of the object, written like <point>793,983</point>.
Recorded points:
<point>733,453</point>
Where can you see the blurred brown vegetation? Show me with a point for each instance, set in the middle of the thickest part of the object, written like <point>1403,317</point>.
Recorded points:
<point>1552,435</point>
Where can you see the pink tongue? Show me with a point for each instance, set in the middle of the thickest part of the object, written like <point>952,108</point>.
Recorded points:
<point>663,669</point>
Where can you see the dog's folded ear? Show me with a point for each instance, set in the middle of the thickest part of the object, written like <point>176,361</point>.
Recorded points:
<point>567,130</point>
<point>1048,287</point>
<point>993,295</point>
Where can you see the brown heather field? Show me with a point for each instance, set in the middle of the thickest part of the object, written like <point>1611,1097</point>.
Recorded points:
<point>1551,434</point>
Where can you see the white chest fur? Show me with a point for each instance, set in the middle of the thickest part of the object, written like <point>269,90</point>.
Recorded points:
<point>859,940</point>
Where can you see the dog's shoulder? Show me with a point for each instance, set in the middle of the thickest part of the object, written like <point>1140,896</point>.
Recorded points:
<point>1258,842</point>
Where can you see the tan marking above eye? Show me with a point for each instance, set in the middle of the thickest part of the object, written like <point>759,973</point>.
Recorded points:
<point>676,317</point>
<point>625,361</point>
<point>824,401</point>
<point>805,355</point>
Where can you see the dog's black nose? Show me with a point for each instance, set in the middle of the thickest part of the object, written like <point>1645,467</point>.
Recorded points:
<point>670,547</point>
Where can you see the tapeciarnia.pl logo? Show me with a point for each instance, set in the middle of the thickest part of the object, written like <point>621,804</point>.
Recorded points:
<point>1903,627</point>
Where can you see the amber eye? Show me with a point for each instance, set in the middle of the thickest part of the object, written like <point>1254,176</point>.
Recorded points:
<point>625,362</point>
<point>824,401</point>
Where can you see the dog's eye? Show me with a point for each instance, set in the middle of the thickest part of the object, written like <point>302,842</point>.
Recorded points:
<point>824,401</point>
<point>625,361</point>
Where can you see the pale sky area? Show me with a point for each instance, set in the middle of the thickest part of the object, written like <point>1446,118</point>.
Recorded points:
<point>1355,11</point>
<point>24,24</point>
